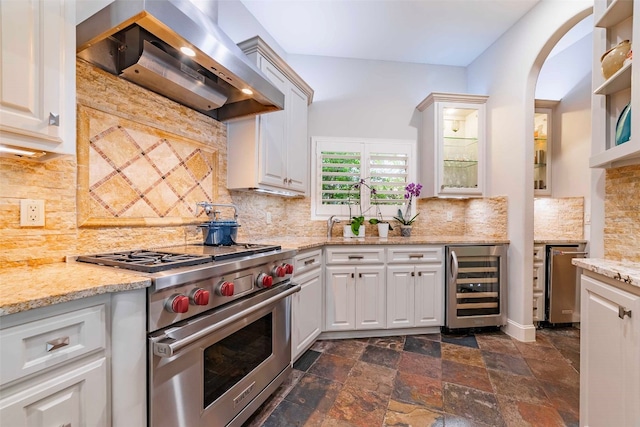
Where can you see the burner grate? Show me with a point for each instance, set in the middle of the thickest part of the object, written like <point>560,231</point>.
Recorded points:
<point>146,261</point>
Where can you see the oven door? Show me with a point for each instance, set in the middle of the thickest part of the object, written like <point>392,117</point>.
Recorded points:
<point>216,369</point>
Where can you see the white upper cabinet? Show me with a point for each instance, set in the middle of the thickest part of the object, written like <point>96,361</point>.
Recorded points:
<point>543,148</point>
<point>616,21</point>
<point>271,151</point>
<point>452,145</point>
<point>37,78</point>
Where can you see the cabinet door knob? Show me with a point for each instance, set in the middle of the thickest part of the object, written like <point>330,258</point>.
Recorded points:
<point>54,119</point>
<point>622,312</point>
<point>413,273</point>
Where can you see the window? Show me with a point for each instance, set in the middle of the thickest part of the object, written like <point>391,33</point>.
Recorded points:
<point>387,166</point>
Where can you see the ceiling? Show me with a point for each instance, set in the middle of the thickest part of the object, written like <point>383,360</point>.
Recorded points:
<point>445,32</point>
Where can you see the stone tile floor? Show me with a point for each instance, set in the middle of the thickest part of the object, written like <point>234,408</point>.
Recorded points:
<point>481,379</point>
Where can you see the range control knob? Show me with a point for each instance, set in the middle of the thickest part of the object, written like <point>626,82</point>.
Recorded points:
<point>279,271</point>
<point>225,289</point>
<point>177,303</point>
<point>288,268</point>
<point>199,296</point>
<point>264,281</point>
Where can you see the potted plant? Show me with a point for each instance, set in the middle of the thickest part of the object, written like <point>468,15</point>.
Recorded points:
<point>383,226</point>
<point>356,222</point>
<point>356,225</point>
<point>411,190</point>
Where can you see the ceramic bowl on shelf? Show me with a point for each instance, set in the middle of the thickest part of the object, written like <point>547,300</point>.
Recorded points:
<point>613,59</point>
<point>623,126</point>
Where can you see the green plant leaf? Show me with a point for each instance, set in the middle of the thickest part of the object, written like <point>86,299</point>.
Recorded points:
<point>356,222</point>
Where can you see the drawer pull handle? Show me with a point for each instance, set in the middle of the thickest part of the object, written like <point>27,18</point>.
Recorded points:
<point>416,255</point>
<point>356,256</point>
<point>66,425</point>
<point>310,261</point>
<point>57,343</point>
<point>622,312</point>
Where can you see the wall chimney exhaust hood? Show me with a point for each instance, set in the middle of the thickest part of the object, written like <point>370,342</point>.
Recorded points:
<point>145,41</point>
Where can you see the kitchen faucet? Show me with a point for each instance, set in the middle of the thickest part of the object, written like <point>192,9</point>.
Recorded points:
<point>332,220</point>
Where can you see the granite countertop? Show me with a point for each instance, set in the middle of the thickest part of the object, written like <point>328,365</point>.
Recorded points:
<point>26,288</point>
<point>303,243</point>
<point>551,241</point>
<point>623,272</point>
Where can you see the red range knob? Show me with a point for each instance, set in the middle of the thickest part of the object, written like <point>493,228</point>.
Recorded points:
<point>264,281</point>
<point>177,304</point>
<point>279,271</point>
<point>288,268</point>
<point>199,296</point>
<point>225,289</point>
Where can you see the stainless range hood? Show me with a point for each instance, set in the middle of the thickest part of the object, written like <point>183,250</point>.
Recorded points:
<point>141,41</point>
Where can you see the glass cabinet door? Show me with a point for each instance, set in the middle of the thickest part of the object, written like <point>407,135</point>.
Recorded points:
<point>461,149</point>
<point>542,152</point>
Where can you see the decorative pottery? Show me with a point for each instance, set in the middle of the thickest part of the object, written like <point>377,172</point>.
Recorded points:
<point>405,230</point>
<point>383,229</point>
<point>347,232</point>
<point>613,59</point>
<point>623,126</point>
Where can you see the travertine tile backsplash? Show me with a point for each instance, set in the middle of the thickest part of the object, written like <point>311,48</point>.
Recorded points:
<point>556,219</point>
<point>622,214</point>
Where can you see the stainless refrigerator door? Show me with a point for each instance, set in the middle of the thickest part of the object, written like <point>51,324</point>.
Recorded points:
<point>564,303</point>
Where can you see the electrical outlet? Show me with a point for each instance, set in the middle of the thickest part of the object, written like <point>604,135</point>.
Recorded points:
<point>268,217</point>
<point>449,216</point>
<point>31,213</point>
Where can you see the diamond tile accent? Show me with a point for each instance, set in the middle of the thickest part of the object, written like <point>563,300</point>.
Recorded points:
<point>137,172</point>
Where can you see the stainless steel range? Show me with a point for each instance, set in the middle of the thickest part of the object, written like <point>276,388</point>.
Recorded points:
<point>218,323</point>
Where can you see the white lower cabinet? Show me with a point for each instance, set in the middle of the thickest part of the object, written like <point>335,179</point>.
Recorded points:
<point>609,355</point>
<point>414,296</point>
<point>75,364</point>
<point>76,396</point>
<point>306,307</point>
<point>54,366</point>
<point>539,283</point>
<point>355,298</point>
<point>415,287</point>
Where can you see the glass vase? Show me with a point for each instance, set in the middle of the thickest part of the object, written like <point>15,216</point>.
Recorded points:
<point>405,230</point>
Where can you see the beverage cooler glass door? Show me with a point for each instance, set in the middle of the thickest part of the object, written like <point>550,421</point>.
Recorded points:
<point>461,154</point>
<point>476,286</point>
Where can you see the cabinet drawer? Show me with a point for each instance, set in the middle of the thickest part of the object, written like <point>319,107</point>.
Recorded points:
<point>307,261</point>
<point>352,256</point>
<point>415,254</point>
<point>34,346</point>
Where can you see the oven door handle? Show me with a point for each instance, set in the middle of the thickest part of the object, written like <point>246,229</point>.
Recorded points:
<point>170,349</point>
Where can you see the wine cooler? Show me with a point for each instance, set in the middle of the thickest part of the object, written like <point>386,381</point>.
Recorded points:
<point>476,289</point>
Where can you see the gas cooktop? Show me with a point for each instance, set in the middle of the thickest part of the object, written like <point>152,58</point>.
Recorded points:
<point>153,261</point>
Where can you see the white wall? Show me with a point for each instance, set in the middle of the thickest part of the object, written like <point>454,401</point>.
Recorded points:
<point>371,99</point>
<point>507,72</point>
<point>571,148</point>
<point>239,24</point>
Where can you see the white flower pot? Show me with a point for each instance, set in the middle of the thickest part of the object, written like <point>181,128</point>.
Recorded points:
<point>383,229</point>
<point>348,233</point>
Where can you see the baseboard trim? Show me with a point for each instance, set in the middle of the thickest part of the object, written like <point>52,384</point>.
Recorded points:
<point>524,333</point>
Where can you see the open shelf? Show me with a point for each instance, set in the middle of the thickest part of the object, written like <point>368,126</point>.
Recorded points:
<point>619,81</point>
<point>618,11</point>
